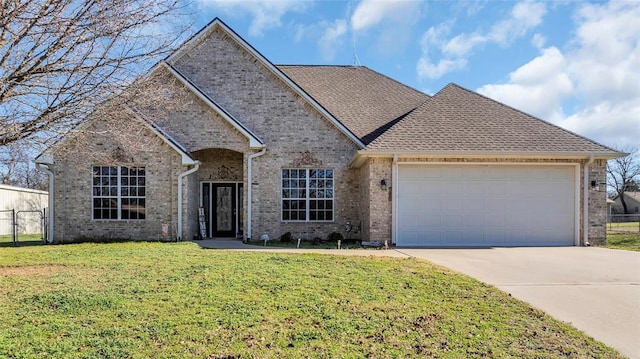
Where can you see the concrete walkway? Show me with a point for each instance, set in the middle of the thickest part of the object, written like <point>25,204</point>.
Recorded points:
<point>597,290</point>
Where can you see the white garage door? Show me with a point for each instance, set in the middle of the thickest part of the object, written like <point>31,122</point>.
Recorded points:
<point>485,205</point>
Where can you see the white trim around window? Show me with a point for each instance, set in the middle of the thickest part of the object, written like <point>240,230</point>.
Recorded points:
<point>307,195</point>
<point>118,193</point>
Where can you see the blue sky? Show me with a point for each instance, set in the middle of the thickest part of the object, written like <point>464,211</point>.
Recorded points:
<point>573,63</point>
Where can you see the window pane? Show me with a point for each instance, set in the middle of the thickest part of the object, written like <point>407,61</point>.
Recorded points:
<point>302,215</point>
<point>286,193</point>
<point>285,215</point>
<point>329,173</point>
<point>328,204</point>
<point>313,173</point>
<point>285,204</point>
<point>294,174</point>
<point>294,215</point>
<point>285,183</point>
<point>285,173</point>
<point>320,173</point>
<point>328,193</point>
<point>124,171</point>
<point>328,216</point>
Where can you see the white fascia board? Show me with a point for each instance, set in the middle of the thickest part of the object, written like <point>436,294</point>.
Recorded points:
<point>361,156</point>
<point>297,89</point>
<point>254,141</point>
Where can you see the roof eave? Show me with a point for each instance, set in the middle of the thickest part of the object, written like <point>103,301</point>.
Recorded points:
<point>177,147</point>
<point>361,156</point>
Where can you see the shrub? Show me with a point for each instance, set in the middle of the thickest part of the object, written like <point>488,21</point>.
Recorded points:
<point>286,238</point>
<point>316,241</point>
<point>335,236</point>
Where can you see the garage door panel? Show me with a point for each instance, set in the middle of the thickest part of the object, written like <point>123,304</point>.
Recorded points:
<point>472,204</point>
<point>458,205</point>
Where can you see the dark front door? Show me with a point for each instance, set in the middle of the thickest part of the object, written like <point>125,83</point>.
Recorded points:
<point>222,203</point>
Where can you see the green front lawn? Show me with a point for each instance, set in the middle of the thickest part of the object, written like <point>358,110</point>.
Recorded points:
<point>142,300</point>
<point>626,241</point>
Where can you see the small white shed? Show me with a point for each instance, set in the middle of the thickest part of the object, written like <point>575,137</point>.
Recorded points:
<point>28,205</point>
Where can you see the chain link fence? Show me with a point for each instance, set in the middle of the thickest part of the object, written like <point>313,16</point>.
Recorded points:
<point>624,223</point>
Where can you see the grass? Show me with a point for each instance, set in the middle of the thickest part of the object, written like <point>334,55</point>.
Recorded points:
<point>155,300</point>
<point>623,235</point>
<point>626,241</point>
<point>23,240</point>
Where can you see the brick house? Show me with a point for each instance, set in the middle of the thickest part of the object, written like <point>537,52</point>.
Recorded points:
<point>266,149</point>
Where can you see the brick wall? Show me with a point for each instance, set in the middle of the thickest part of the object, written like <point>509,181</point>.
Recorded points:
<point>380,200</point>
<point>295,134</point>
<point>73,182</point>
<point>598,203</point>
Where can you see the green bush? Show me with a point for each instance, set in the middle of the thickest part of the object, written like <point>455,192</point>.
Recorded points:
<point>316,241</point>
<point>286,238</point>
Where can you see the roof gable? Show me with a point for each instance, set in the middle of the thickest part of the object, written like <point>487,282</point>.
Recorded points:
<point>457,120</point>
<point>254,141</point>
<point>46,157</point>
<point>218,24</point>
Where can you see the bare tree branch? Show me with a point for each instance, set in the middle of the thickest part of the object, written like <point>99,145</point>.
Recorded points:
<point>623,174</point>
<point>59,59</point>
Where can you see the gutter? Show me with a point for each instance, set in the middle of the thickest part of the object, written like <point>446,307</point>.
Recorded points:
<point>585,204</point>
<point>49,173</point>
<point>250,188</point>
<point>180,178</point>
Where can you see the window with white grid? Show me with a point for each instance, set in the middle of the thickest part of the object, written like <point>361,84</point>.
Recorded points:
<point>307,195</point>
<point>118,193</point>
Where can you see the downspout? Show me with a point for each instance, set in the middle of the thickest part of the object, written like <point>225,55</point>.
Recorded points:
<point>585,205</point>
<point>50,199</point>
<point>250,188</point>
<point>180,177</point>
<point>394,198</point>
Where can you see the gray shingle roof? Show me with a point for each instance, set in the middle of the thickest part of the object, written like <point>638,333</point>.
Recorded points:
<point>365,101</point>
<point>456,119</point>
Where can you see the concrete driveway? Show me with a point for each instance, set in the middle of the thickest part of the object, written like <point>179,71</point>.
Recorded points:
<point>596,290</point>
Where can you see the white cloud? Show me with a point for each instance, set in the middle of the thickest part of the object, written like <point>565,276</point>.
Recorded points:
<point>599,73</point>
<point>616,124</point>
<point>332,38</point>
<point>524,16</point>
<point>434,38</point>
<point>538,41</point>
<point>606,63</point>
<point>538,87</point>
<point>265,14</point>
<point>393,21</point>
<point>430,70</point>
